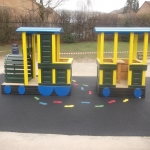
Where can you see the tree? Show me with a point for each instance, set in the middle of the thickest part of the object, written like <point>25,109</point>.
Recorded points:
<point>45,7</point>
<point>131,6</point>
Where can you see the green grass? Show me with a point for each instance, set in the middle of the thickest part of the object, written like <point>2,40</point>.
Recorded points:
<point>83,47</point>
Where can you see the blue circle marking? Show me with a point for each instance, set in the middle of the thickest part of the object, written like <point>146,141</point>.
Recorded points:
<point>137,92</point>
<point>106,92</point>
<point>45,90</point>
<point>21,89</point>
<point>62,90</point>
<point>7,89</point>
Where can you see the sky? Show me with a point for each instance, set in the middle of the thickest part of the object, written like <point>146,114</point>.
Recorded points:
<point>98,5</point>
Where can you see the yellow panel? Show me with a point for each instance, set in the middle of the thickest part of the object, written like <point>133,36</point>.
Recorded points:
<point>114,77</point>
<point>145,48</point>
<point>101,77</point>
<point>129,77</point>
<point>53,76</point>
<point>135,46</point>
<point>68,76</point>
<point>58,47</point>
<point>143,78</point>
<point>101,47</point>
<point>131,48</point>
<point>24,43</point>
<point>115,47</point>
<point>33,56</point>
<point>53,48</point>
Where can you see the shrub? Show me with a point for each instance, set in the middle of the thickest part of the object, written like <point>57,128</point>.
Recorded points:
<point>69,38</point>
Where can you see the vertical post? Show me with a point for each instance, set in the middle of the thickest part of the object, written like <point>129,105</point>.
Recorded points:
<point>146,36</point>
<point>24,44</point>
<point>145,48</point>
<point>101,47</point>
<point>130,57</point>
<point>33,57</point>
<point>115,56</point>
<point>39,56</point>
<point>98,46</point>
<point>58,47</point>
<point>135,46</point>
<point>115,47</point>
<point>53,57</point>
<point>101,57</point>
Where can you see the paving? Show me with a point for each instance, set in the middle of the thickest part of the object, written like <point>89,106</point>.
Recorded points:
<point>105,135</point>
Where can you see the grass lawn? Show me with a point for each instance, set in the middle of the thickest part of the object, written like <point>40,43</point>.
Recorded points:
<point>82,47</point>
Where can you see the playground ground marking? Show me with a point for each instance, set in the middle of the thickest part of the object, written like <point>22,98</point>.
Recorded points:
<point>90,92</point>
<point>36,98</point>
<point>69,106</point>
<point>57,102</point>
<point>42,103</point>
<point>125,100</point>
<point>99,106</point>
<point>111,101</point>
<point>85,102</point>
<point>82,88</point>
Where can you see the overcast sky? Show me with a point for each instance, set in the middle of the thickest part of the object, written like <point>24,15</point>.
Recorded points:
<point>98,5</point>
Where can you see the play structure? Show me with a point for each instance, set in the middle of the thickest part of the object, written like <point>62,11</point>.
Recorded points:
<point>122,77</point>
<point>116,77</point>
<point>53,74</point>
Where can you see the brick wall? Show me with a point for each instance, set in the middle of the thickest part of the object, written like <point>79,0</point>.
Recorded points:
<point>20,6</point>
<point>145,9</point>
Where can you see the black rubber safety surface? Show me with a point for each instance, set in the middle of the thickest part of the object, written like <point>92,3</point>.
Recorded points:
<point>26,114</point>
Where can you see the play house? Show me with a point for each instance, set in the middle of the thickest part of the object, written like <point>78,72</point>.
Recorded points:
<point>51,75</point>
<point>121,77</point>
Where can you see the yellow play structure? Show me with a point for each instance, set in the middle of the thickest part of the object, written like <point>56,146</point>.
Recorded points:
<point>116,76</point>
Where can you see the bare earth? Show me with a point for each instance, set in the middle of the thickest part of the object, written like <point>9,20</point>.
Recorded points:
<point>21,141</point>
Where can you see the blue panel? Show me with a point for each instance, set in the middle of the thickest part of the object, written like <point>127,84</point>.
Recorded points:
<point>62,90</point>
<point>21,89</point>
<point>121,30</point>
<point>106,92</point>
<point>45,90</point>
<point>137,92</point>
<point>7,89</point>
<point>35,30</point>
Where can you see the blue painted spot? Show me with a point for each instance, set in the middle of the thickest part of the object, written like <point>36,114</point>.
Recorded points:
<point>137,92</point>
<point>62,90</point>
<point>7,89</point>
<point>45,90</point>
<point>106,92</point>
<point>21,89</point>
<point>42,103</point>
<point>82,88</point>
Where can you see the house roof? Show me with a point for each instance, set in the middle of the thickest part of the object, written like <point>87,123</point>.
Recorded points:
<point>121,30</point>
<point>148,2</point>
<point>35,30</point>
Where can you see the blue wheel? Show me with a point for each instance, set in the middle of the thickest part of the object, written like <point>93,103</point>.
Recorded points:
<point>21,89</point>
<point>137,92</point>
<point>7,89</point>
<point>45,90</point>
<point>62,90</point>
<point>106,92</point>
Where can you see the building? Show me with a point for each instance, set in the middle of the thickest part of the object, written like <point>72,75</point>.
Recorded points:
<point>19,6</point>
<point>144,9</point>
<point>26,7</point>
